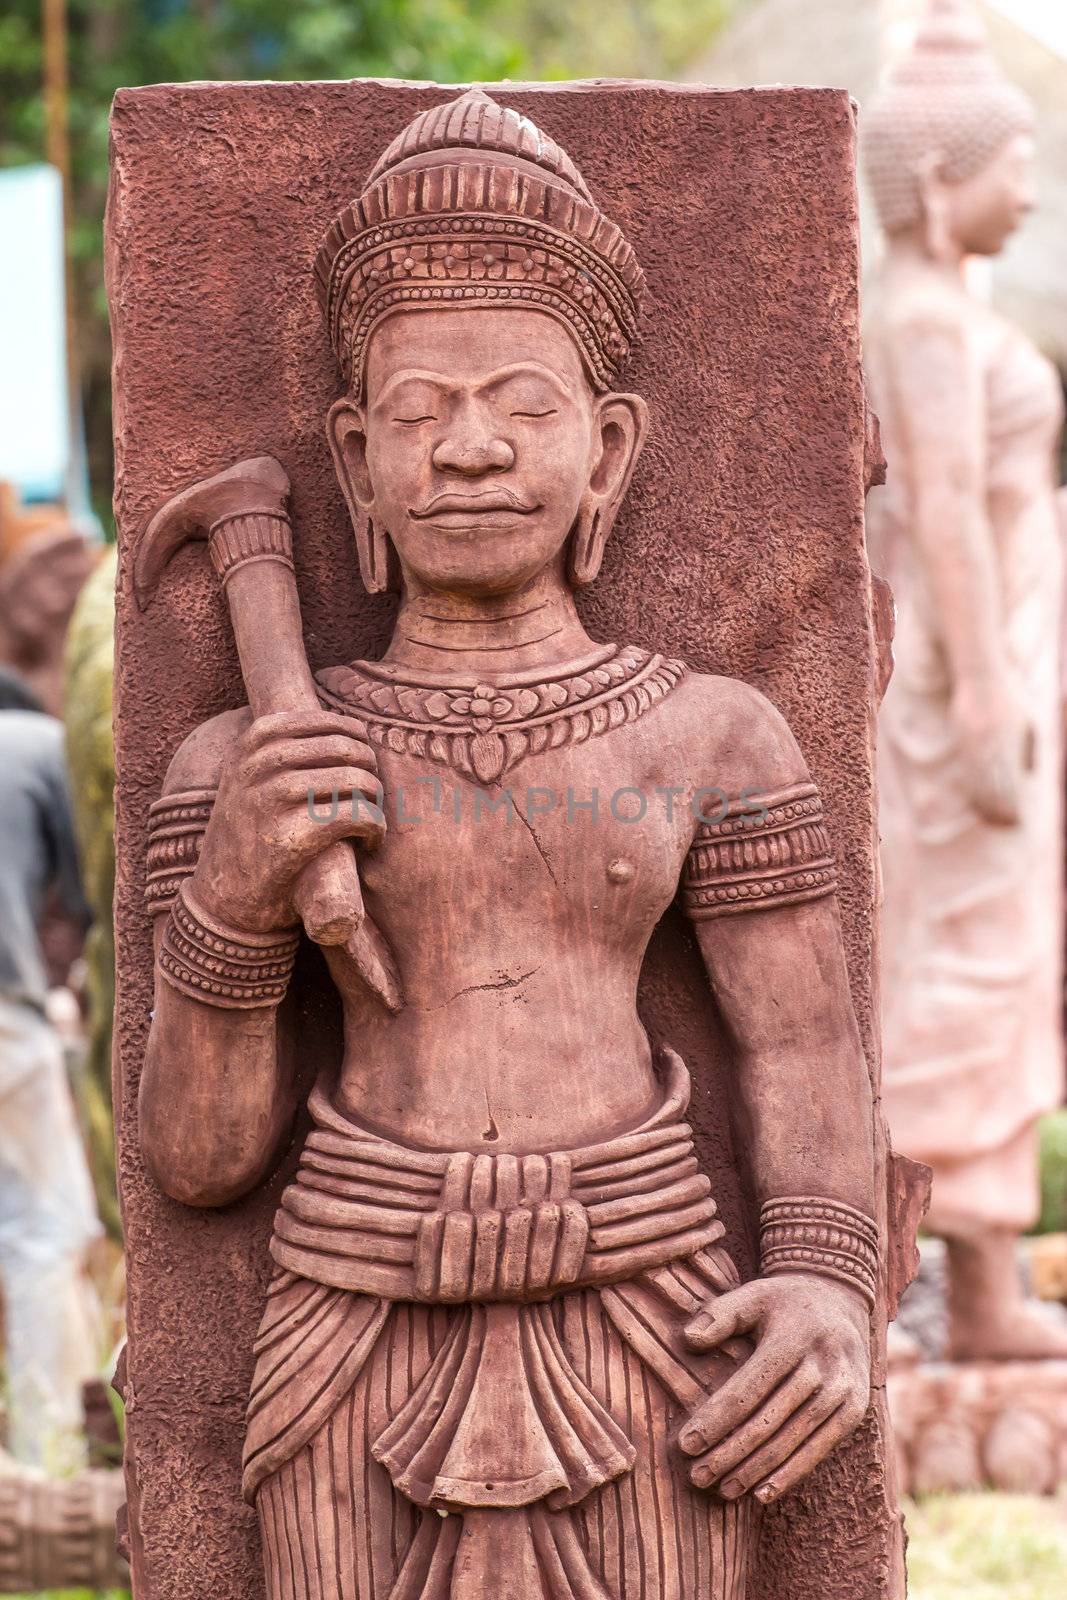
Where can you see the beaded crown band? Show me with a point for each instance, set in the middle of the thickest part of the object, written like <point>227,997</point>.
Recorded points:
<point>805,1234</point>
<point>473,206</point>
<point>219,965</point>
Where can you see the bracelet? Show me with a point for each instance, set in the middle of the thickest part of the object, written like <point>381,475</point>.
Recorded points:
<point>176,826</point>
<point>803,1234</point>
<point>223,967</point>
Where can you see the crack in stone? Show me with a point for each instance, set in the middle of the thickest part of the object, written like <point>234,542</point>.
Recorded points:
<point>499,983</point>
<point>528,825</point>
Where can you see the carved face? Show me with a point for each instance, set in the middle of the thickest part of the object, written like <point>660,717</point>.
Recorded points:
<point>984,211</point>
<point>482,446</point>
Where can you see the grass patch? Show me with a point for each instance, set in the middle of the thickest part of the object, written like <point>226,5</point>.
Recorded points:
<point>75,1594</point>
<point>987,1547</point>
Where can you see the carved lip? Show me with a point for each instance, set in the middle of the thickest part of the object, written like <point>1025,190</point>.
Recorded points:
<point>454,505</point>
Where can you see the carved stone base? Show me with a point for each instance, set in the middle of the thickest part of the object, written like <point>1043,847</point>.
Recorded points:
<point>1000,1425</point>
<point>59,1533</point>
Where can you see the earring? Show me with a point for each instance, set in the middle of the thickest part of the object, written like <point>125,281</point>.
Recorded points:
<point>377,559</point>
<point>587,543</point>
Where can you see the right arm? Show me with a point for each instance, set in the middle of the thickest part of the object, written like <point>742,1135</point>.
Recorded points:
<point>936,390</point>
<point>217,1093</point>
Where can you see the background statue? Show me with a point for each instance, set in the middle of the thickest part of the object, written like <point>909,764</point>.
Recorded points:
<point>970,749</point>
<point>504,1347</point>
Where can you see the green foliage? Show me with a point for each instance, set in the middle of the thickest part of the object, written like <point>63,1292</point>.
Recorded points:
<point>987,1547</point>
<point>77,1594</point>
<point>1052,1141</point>
<point>119,42</point>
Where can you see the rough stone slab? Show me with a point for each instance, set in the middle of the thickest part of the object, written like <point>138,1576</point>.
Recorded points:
<point>741,549</point>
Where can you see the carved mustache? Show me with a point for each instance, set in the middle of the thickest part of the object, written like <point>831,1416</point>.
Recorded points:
<point>498,499</point>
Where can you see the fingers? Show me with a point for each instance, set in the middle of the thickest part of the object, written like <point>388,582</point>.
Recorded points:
<point>740,1396</point>
<point>363,820</point>
<point>327,786</point>
<point>815,1448</point>
<point>757,1466</point>
<point>301,725</point>
<point>732,1313</point>
<point>763,1424</point>
<point>299,755</point>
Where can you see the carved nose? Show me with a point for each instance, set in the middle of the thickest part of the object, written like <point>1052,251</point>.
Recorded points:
<point>472,458</point>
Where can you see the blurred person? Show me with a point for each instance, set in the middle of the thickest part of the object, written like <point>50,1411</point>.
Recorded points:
<point>91,763</point>
<point>39,585</point>
<point>970,748</point>
<point>48,1216</point>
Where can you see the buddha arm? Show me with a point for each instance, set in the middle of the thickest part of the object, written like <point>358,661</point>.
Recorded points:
<point>935,390</point>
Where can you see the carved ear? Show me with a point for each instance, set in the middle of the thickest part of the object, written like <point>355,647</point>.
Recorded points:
<point>622,422</point>
<point>346,428</point>
<point>933,196</point>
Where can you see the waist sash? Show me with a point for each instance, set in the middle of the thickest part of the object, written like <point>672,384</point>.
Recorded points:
<point>369,1215</point>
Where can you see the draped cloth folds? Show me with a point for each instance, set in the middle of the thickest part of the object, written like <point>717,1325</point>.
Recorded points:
<point>512,1449</point>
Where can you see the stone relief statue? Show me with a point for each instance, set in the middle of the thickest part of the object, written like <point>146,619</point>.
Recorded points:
<point>504,1347</point>
<point>970,738</point>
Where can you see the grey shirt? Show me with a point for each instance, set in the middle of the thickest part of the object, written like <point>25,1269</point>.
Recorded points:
<point>37,847</point>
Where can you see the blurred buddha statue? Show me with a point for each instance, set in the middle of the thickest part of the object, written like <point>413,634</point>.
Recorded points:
<point>966,533</point>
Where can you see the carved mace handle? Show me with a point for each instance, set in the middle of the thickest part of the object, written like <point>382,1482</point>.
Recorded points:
<point>242,514</point>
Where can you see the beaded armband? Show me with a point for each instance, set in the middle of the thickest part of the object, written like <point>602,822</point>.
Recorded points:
<point>205,959</point>
<point>176,826</point>
<point>801,1234</point>
<point>768,850</point>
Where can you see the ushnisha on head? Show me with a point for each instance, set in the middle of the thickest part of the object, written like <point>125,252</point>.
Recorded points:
<point>948,140</point>
<point>481,307</point>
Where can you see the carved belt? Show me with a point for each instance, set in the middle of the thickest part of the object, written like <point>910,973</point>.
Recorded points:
<point>366,1214</point>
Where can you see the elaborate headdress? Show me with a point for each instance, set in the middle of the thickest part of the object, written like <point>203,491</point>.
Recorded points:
<point>946,97</point>
<point>472,205</point>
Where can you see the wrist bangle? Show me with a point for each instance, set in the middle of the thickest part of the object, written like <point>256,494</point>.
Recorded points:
<point>176,826</point>
<point>805,1234</point>
<point>219,965</point>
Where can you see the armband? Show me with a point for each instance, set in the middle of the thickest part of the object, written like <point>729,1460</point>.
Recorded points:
<point>769,850</point>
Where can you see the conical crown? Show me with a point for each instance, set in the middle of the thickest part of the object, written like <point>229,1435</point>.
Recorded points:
<point>472,206</point>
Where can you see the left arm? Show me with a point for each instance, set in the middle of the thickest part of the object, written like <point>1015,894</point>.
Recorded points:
<point>760,892</point>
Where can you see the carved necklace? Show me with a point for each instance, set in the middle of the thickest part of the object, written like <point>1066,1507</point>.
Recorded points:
<point>483,730</point>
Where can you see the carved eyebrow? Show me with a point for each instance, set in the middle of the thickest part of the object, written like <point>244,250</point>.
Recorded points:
<point>435,380</point>
<point>525,369</point>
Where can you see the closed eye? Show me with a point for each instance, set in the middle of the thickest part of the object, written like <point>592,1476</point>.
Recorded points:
<point>551,412</point>
<point>426,418</point>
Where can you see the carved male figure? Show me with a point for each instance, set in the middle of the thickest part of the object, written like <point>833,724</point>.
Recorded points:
<point>504,1348</point>
<point>970,750</point>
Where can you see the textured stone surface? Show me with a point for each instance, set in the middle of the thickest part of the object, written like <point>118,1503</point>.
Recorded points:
<point>740,548</point>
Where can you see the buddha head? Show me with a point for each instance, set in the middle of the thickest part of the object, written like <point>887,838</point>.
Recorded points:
<point>480,306</point>
<point>948,140</point>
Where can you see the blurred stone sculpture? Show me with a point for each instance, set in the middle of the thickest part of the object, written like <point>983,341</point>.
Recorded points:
<point>39,584</point>
<point>504,1349</point>
<point>60,1533</point>
<point>970,740</point>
